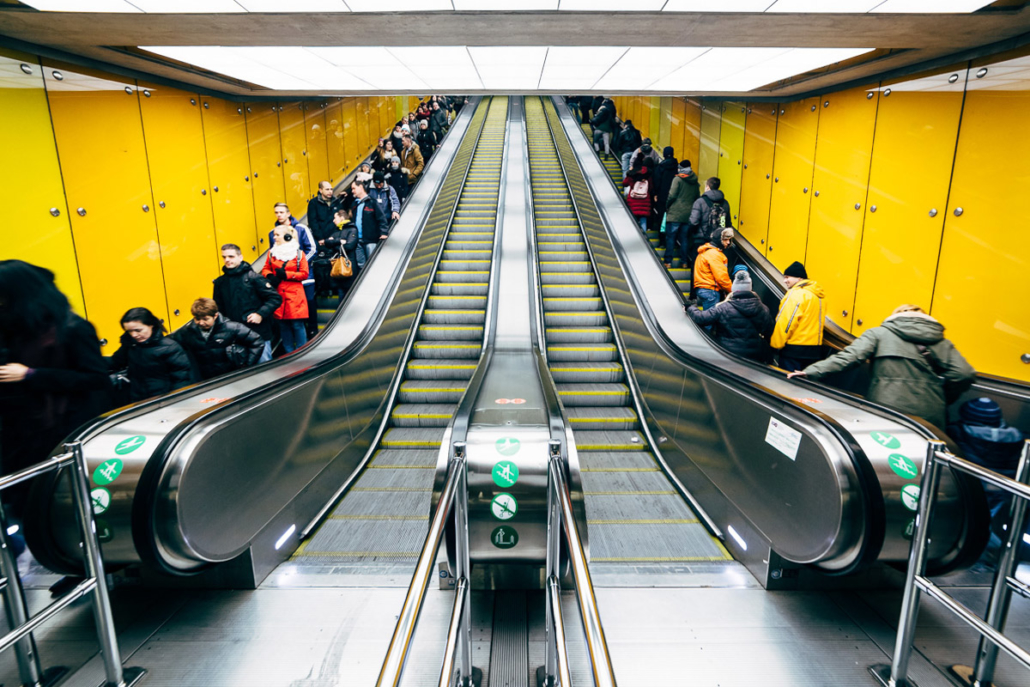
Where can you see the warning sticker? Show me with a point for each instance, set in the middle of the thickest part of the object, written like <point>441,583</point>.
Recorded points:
<point>910,496</point>
<point>101,500</point>
<point>504,506</point>
<point>783,438</point>
<point>107,471</point>
<point>903,466</point>
<point>504,537</point>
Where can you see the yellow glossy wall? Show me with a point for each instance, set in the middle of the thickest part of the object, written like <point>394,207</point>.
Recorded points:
<point>731,154</point>
<point>936,165</point>
<point>127,190</point>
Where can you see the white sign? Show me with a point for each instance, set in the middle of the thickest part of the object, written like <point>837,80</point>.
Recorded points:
<point>784,439</point>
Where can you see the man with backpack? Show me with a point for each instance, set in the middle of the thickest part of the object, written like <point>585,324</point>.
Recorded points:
<point>709,215</point>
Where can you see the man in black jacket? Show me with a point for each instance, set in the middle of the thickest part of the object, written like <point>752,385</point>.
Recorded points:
<point>245,296</point>
<point>321,209</point>
<point>370,221</point>
<point>216,344</point>
<point>438,121</point>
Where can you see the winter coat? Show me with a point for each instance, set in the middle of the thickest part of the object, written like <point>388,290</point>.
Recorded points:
<point>427,140</point>
<point>604,119</point>
<point>398,182</point>
<point>685,190</point>
<point>910,358</point>
<point>710,270</point>
<point>212,354</point>
<point>241,291</point>
<point>640,207</point>
<point>320,217</point>
<point>289,277</point>
<point>799,322</point>
<point>371,219</point>
<point>663,176</point>
<point>995,448</point>
<point>346,237</point>
<point>650,159</point>
<point>65,387</point>
<point>438,123</point>
<point>411,158</point>
<point>156,366</point>
<point>387,198</point>
<point>741,323</point>
<point>628,140</point>
<point>702,208</point>
<point>305,239</point>
<point>398,143</point>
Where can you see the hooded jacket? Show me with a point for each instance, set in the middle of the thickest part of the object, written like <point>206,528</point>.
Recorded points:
<point>640,207</point>
<point>663,175</point>
<point>702,208</point>
<point>915,369</point>
<point>604,117</point>
<point>710,270</point>
<point>212,353</point>
<point>628,140</point>
<point>156,366</point>
<point>288,276</point>
<point>799,323</point>
<point>741,323</point>
<point>241,291</point>
<point>411,159</point>
<point>995,448</point>
<point>685,190</point>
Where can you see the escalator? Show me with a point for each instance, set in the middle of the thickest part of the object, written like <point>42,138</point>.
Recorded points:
<point>634,513</point>
<point>385,514</point>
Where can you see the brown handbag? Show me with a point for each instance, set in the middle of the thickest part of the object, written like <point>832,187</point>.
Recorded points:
<point>342,267</point>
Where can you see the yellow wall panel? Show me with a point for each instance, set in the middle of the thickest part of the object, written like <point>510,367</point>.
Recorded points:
<point>756,175</point>
<point>350,130</point>
<point>174,137</point>
<point>692,132</point>
<point>361,114</point>
<point>31,178</point>
<point>104,166</point>
<point>914,146</point>
<point>228,165</point>
<point>731,154</point>
<point>334,141</point>
<point>792,182</point>
<point>654,112</point>
<point>843,151</point>
<point>665,125</point>
<point>985,257</point>
<point>317,150</point>
<point>266,165</point>
<point>295,165</point>
<point>708,159</point>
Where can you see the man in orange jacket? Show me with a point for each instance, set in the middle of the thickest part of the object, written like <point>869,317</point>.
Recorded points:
<point>711,278</point>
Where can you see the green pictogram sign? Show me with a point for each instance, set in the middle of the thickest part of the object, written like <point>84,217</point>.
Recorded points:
<point>129,445</point>
<point>107,471</point>
<point>101,500</point>
<point>909,530</point>
<point>910,496</point>
<point>506,474</point>
<point>903,466</point>
<point>886,440</point>
<point>508,446</point>
<point>504,537</point>
<point>504,507</point>
<point>104,531</point>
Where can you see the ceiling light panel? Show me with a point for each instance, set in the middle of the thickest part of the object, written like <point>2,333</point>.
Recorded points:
<point>81,5</point>
<point>278,6</point>
<point>822,6</point>
<point>578,65</point>
<point>399,5</point>
<point>502,5</point>
<point>611,5</point>
<point>931,6</point>
<point>188,6</point>
<point>719,5</point>
<point>655,63</point>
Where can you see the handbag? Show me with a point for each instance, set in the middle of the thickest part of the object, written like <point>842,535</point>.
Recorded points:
<point>342,266</point>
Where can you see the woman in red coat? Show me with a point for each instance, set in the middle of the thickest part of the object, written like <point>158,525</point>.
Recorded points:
<point>641,193</point>
<point>286,267</point>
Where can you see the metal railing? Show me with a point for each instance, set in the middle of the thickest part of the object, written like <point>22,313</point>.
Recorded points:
<point>21,623</point>
<point>453,497</point>
<point>560,517</point>
<point>991,628</point>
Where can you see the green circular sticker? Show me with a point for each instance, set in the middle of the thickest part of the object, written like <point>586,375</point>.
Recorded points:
<point>101,500</point>
<point>903,466</point>
<point>104,531</point>
<point>910,496</point>
<point>508,446</point>
<point>504,507</point>
<point>506,474</point>
<point>909,530</point>
<point>504,537</point>
<point>129,445</point>
<point>107,471</point>
<point>886,440</point>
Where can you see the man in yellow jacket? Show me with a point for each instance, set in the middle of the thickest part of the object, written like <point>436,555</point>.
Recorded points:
<point>798,335</point>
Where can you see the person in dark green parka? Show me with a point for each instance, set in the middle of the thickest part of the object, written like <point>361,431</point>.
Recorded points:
<point>915,369</point>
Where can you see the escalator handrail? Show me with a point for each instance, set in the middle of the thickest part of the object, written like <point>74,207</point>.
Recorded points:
<point>870,489</point>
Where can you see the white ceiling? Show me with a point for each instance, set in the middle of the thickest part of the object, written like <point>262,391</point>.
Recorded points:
<point>307,6</point>
<point>506,68</point>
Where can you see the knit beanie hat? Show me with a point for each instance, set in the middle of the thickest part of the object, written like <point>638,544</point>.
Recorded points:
<point>378,177</point>
<point>645,147</point>
<point>981,411</point>
<point>739,268</point>
<point>667,152</point>
<point>741,281</point>
<point>727,233</point>
<point>796,269</point>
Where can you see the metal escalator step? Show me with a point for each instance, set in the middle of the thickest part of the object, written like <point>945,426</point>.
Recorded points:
<point>594,394</point>
<point>669,506</point>
<point>626,483</point>
<point>440,368</point>
<point>569,318</point>
<point>444,332</point>
<point>654,543</point>
<point>582,373</point>
<point>557,335</point>
<point>465,253</point>
<point>407,458</point>
<point>458,242</point>
<point>351,541</point>
<point>616,461</point>
<point>549,255</point>
<point>464,265</point>
<point>453,316</point>
<point>577,304</point>
<point>585,277</point>
<point>603,418</point>
<point>403,505</point>
<point>431,391</point>
<point>456,302</point>
<point>570,291</point>
<point>460,276</point>
<point>459,288</point>
<point>564,265</point>
<point>582,353</point>
<point>449,350</point>
<point>422,414</point>
<point>407,437</point>
<point>624,440</point>
<point>561,246</point>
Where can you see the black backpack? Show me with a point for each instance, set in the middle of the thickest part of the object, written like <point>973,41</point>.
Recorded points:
<point>718,219</point>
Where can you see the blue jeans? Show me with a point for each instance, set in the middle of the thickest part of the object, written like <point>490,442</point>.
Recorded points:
<point>625,163</point>
<point>706,298</point>
<point>294,334</point>
<point>266,353</point>
<point>676,231</point>
<point>642,222</point>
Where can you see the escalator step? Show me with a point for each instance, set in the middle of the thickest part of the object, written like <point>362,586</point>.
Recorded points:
<point>407,437</point>
<point>431,391</point>
<point>456,302</point>
<point>582,353</point>
<point>440,288</point>
<point>443,332</point>
<point>387,458</point>
<point>594,394</point>
<point>547,278</point>
<point>558,335</point>
<point>575,304</point>
<point>453,316</point>
<point>616,461</point>
<point>570,291</point>
<point>448,350</point>
<point>624,440</point>
<point>564,265</point>
<point>422,414</point>
<point>440,368</point>
<point>559,318</point>
<point>604,418</point>
<point>596,373</point>
<point>461,276</point>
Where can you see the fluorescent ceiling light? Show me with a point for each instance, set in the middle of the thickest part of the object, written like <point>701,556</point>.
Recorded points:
<point>744,69</point>
<point>399,5</point>
<point>81,6</point>
<point>271,6</point>
<point>719,5</point>
<point>187,6</point>
<point>611,5</point>
<point>822,6</point>
<point>497,55</point>
<point>934,7</point>
<point>501,5</point>
<point>657,63</point>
